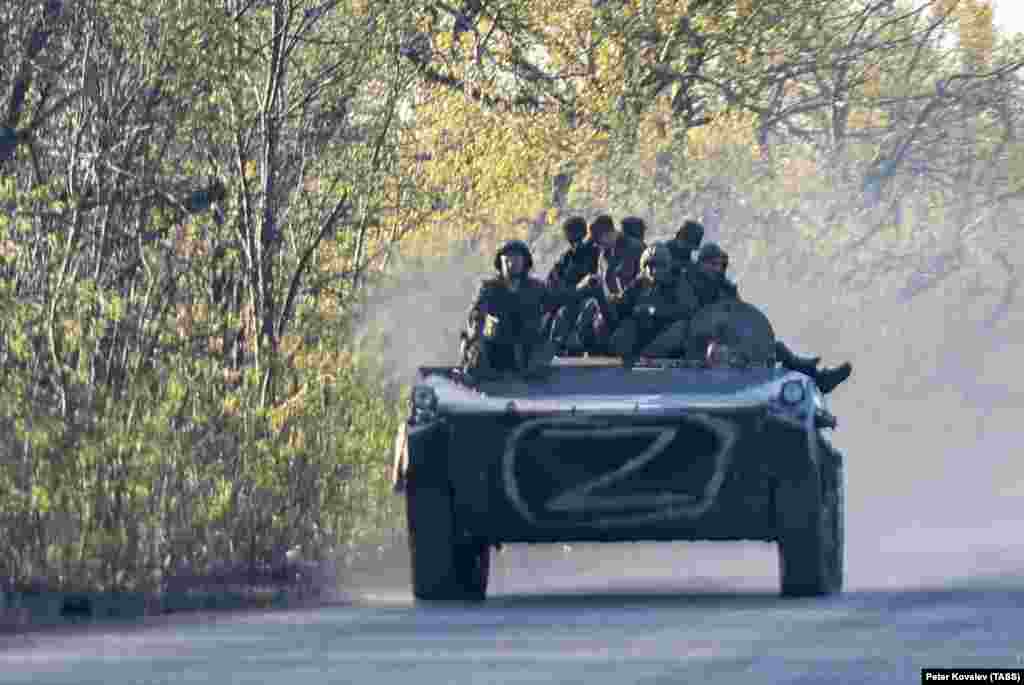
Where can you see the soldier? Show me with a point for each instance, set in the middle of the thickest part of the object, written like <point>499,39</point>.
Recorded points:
<point>709,279</point>
<point>635,228</point>
<point>618,266</point>
<point>651,317</point>
<point>686,242</point>
<point>503,331</point>
<point>711,284</point>
<point>575,264</point>
<point>619,262</point>
<point>579,260</point>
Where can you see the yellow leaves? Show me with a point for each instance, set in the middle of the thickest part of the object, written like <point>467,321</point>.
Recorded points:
<point>872,87</point>
<point>189,316</point>
<point>977,33</point>
<point>187,244</point>
<point>8,249</point>
<point>974,23</point>
<point>443,40</point>
<point>72,329</point>
<point>654,132</point>
<point>797,173</point>
<point>944,8</point>
<point>251,169</point>
<point>861,119</point>
<point>667,14</point>
<point>484,166</point>
<point>730,134</point>
<point>291,344</point>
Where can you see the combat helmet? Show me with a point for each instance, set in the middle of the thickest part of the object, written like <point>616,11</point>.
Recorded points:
<point>712,251</point>
<point>690,234</point>
<point>659,255</point>
<point>634,227</point>
<point>574,229</point>
<point>510,247</point>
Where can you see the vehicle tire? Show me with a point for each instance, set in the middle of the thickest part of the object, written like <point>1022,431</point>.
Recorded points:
<point>473,566</point>
<point>442,568</point>
<point>809,514</point>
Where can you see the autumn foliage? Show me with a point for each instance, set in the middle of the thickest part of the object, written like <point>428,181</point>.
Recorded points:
<point>197,198</point>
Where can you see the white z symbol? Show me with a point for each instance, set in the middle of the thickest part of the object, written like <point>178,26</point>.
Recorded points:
<point>665,505</point>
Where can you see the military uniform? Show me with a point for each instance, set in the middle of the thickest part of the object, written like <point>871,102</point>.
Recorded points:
<point>503,329</point>
<point>687,240</point>
<point>709,288</point>
<point>576,263</point>
<point>635,228</point>
<point>651,318</point>
<point>712,287</point>
<point>620,264</point>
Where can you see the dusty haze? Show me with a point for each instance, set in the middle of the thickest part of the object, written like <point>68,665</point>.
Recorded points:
<point>930,423</point>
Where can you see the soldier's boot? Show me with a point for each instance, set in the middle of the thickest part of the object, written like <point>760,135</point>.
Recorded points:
<point>829,379</point>
<point>623,342</point>
<point>574,345</point>
<point>539,363</point>
<point>789,360</point>
<point>670,343</point>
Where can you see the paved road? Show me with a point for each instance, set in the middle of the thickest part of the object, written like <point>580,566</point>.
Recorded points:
<point>573,625</point>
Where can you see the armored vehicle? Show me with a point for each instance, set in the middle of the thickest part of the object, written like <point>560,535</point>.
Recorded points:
<point>733,448</point>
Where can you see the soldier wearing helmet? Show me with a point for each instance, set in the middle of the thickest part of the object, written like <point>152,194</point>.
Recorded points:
<point>503,331</point>
<point>709,279</point>
<point>651,316</point>
<point>712,285</point>
<point>579,261</point>
<point>619,261</point>
<point>635,228</point>
<point>618,266</point>
<point>687,241</point>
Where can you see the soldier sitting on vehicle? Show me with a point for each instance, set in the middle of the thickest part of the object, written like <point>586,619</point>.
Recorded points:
<point>635,228</point>
<point>710,283</point>
<point>619,262</point>
<point>575,264</point>
<point>686,242</point>
<point>503,331</point>
<point>618,266</point>
<point>651,317</point>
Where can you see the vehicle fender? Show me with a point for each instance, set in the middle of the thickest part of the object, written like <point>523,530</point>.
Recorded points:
<point>420,454</point>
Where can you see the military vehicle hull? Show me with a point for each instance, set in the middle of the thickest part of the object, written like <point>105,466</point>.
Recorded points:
<point>594,452</point>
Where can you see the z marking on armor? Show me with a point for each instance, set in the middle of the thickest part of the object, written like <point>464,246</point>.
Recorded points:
<point>581,500</point>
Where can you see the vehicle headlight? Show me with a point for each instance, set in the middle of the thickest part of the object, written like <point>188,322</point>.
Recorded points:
<point>792,392</point>
<point>424,403</point>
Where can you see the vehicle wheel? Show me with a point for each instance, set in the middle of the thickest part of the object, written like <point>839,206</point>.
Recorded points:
<point>809,512</point>
<point>473,564</point>
<point>833,490</point>
<point>442,569</point>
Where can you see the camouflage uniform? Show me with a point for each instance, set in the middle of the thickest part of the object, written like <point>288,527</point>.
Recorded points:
<point>620,264</point>
<point>713,287</point>
<point>575,264</point>
<point>686,242</point>
<point>651,316</point>
<point>503,330</point>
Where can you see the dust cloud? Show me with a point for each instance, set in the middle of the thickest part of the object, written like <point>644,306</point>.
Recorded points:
<point>930,425</point>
